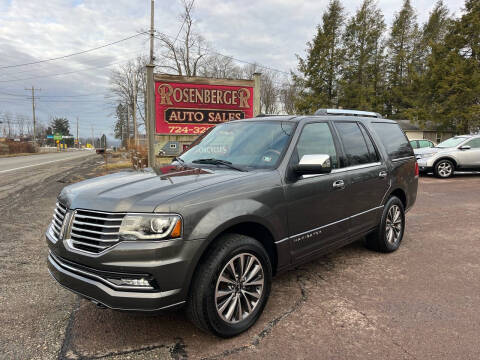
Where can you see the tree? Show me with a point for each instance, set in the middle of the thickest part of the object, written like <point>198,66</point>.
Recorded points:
<point>121,130</point>
<point>363,69</point>
<point>183,55</point>
<point>62,126</point>
<point>451,86</point>
<point>320,70</point>
<point>287,97</point>
<point>403,60</point>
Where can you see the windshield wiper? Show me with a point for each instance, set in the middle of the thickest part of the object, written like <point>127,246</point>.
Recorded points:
<point>178,159</point>
<point>213,161</point>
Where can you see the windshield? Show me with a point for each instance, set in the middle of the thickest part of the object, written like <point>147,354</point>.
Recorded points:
<point>454,141</point>
<point>257,144</point>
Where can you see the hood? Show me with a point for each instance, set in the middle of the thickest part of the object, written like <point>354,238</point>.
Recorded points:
<point>143,191</point>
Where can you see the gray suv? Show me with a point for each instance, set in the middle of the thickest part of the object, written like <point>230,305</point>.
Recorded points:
<point>459,153</point>
<point>251,199</point>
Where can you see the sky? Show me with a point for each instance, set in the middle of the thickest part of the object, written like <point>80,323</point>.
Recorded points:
<point>268,32</point>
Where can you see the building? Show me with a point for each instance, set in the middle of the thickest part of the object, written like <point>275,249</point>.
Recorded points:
<point>414,132</point>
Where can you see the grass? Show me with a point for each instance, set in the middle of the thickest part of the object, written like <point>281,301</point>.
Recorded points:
<point>118,165</point>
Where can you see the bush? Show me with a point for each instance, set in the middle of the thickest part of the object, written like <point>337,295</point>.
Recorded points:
<point>18,147</point>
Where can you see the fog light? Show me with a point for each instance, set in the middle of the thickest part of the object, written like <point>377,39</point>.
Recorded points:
<point>139,282</point>
<point>136,282</point>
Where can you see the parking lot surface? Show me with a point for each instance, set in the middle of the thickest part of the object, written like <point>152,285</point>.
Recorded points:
<point>421,302</point>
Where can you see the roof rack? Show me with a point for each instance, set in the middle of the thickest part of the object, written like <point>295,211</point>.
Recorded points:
<point>347,112</point>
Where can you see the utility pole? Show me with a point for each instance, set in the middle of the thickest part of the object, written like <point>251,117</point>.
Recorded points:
<point>128,125</point>
<point>134,114</point>
<point>33,114</point>
<point>93,140</point>
<point>151,94</point>
<point>78,142</point>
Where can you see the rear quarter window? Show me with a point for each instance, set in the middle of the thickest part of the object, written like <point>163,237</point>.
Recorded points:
<point>393,139</point>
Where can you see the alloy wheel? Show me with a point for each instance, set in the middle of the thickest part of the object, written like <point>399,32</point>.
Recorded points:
<point>444,169</point>
<point>239,288</point>
<point>394,224</point>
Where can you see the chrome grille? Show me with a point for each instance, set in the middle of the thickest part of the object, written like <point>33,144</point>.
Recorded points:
<point>57,221</point>
<point>94,231</point>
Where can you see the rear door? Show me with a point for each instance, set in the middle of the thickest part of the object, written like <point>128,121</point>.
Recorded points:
<point>367,176</point>
<point>317,210</point>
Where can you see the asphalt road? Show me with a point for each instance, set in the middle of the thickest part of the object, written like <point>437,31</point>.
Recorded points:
<point>11,164</point>
<point>421,302</point>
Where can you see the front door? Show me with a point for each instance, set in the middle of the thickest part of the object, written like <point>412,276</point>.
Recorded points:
<point>316,207</point>
<point>470,158</point>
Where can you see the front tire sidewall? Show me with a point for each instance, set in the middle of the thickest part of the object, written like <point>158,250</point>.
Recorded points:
<point>437,170</point>
<point>217,325</point>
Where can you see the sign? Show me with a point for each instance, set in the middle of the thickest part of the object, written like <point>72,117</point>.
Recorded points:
<point>49,136</point>
<point>57,136</point>
<point>67,137</point>
<point>189,106</point>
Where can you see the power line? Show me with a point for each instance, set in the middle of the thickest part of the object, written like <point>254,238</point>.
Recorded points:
<point>229,57</point>
<point>74,54</point>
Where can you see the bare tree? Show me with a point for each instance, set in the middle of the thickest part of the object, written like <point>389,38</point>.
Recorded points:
<point>184,54</point>
<point>218,66</point>
<point>287,96</point>
<point>128,84</point>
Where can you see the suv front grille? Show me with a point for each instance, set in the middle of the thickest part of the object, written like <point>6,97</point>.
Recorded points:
<point>94,231</point>
<point>58,218</point>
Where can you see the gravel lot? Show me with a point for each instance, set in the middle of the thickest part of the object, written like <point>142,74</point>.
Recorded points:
<point>421,302</point>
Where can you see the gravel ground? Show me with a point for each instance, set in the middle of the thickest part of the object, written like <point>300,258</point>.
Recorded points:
<point>420,302</point>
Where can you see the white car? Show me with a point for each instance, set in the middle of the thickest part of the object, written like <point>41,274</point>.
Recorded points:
<point>459,153</point>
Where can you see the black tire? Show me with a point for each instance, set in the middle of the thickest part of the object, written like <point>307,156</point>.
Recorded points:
<point>202,306</point>
<point>444,169</point>
<point>379,240</point>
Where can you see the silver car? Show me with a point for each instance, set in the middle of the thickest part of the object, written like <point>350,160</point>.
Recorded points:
<point>459,153</point>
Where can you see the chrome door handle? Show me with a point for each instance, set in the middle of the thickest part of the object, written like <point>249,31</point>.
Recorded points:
<point>339,184</point>
<point>383,174</point>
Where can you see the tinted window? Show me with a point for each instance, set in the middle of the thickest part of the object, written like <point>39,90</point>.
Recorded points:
<point>371,148</point>
<point>316,138</point>
<point>414,144</point>
<point>474,144</point>
<point>354,144</point>
<point>425,143</point>
<point>393,138</point>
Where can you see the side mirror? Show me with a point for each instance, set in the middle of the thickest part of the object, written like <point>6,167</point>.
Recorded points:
<point>465,147</point>
<point>313,164</point>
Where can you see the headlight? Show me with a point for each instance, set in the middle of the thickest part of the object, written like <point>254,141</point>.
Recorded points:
<point>150,227</point>
<point>424,156</point>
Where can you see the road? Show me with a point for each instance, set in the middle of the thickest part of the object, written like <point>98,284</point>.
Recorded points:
<point>10,164</point>
<point>420,302</point>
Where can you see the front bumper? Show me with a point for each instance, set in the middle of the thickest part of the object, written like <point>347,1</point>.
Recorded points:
<point>425,165</point>
<point>168,269</point>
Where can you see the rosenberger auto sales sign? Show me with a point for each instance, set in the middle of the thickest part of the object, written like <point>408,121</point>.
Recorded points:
<point>189,106</point>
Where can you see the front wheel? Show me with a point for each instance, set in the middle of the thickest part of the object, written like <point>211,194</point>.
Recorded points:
<point>389,234</point>
<point>231,286</point>
<point>444,169</point>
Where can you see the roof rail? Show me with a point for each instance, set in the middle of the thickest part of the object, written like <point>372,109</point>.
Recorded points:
<point>347,112</point>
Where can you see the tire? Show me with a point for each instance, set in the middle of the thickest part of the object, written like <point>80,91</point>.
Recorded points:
<point>210,301</point>
<point>383,239</point>
<point>444,169</point>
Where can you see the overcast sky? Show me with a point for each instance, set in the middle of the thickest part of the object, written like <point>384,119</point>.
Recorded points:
<point>269,32</point>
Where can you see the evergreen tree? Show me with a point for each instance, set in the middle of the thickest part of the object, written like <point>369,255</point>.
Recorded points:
<point>319,71</point>
<point>363,71</point>
<point>404,59</point>
<point>121,130</point>
<point>62,126</point>
<point>452,83</point>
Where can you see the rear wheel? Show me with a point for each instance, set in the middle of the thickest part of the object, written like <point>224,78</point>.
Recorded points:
<point>231,286</point>
<point>389,234</point>
<point>444,169</point>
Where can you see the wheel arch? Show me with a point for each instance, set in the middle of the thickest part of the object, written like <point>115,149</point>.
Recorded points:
<point>445,158</point>
<point>244,225</point>
<point>399,193</point>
